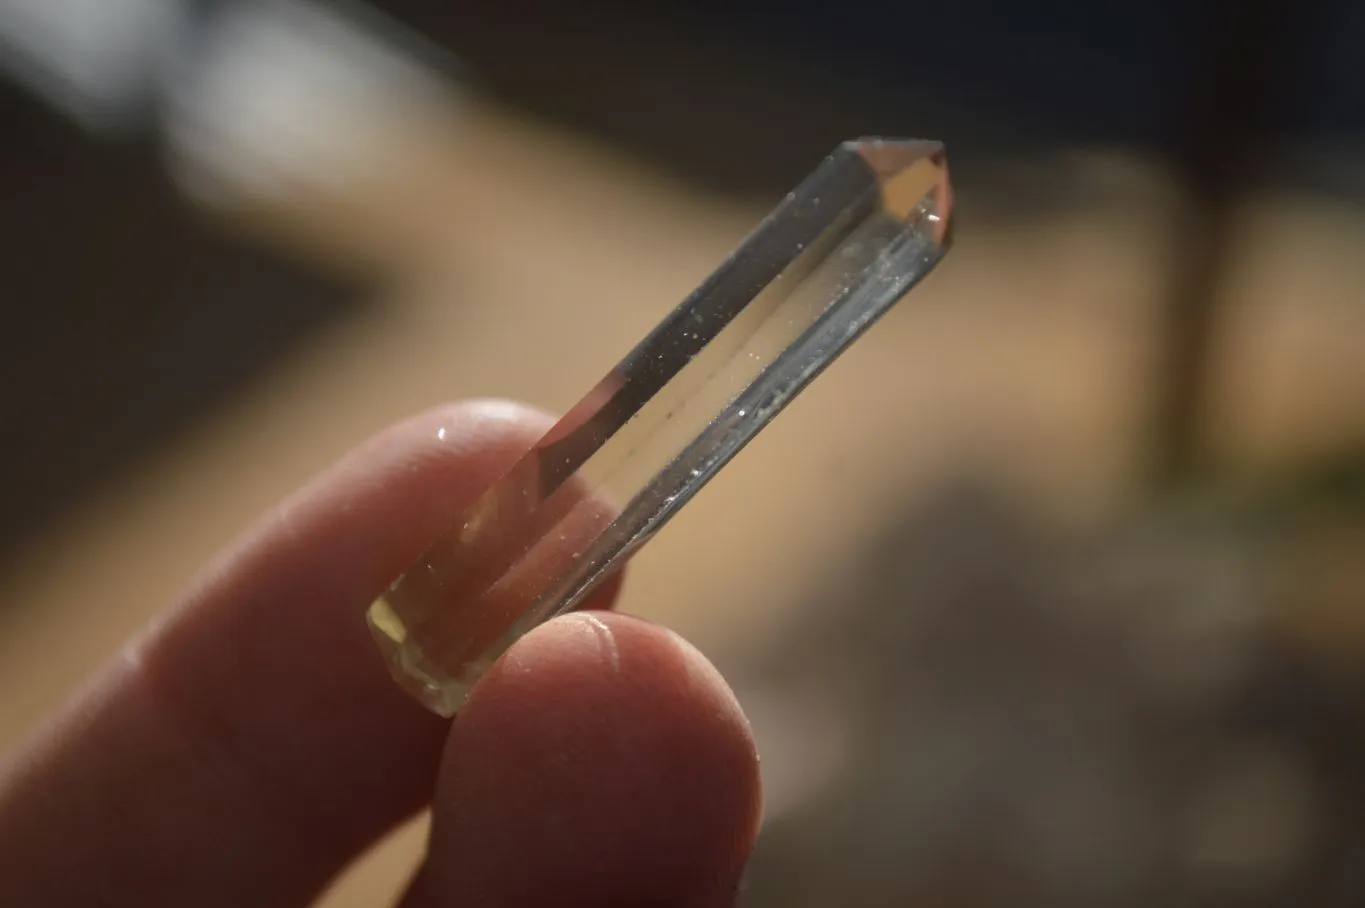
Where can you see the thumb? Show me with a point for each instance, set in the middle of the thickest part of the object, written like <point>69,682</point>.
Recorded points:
<point>603,761</point>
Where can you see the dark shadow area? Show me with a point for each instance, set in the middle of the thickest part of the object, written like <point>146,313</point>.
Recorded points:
<point>743,96</point>
<point>127,321</point>
<point>1150,714</point>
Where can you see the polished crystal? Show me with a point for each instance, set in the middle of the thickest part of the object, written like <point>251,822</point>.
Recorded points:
<point>840,250</point>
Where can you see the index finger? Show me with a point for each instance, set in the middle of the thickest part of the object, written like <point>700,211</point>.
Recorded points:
<point>247,748</point>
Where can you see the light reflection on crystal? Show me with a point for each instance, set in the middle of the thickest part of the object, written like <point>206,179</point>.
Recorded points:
<point>839,251</point>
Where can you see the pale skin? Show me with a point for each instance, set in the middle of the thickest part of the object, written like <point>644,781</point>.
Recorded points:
<point>251,744</point>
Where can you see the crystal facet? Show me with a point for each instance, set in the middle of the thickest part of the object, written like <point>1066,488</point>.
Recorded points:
<point>839,251</point>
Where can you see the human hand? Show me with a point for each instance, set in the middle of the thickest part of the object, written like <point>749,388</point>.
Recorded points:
<point>246,748</point>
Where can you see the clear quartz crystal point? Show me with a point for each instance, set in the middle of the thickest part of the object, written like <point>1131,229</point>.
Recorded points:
<point>839,251</point>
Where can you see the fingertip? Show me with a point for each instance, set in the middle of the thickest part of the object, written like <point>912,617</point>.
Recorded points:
<point>481,429</point>
<point>609,754</point>
<point>481,417</point>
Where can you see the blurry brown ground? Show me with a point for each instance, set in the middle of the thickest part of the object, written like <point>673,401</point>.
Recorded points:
<point>531,258</point>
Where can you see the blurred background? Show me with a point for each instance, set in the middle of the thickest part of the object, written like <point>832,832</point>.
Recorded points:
<point>1050,592</point>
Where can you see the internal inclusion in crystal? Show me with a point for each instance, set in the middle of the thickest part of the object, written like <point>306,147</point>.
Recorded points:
<point>839,251</point>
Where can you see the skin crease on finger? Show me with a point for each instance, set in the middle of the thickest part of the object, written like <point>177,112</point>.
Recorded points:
<point>603,761</point>
<point>251,744</point>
